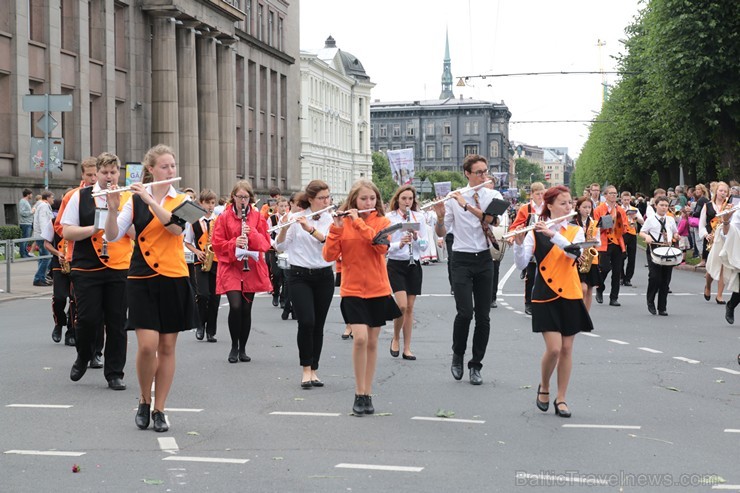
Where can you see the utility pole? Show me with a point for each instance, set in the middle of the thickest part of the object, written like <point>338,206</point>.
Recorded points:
<point>604,96</point>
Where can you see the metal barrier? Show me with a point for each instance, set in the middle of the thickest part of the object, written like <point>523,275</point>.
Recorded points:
<point>9,252</point>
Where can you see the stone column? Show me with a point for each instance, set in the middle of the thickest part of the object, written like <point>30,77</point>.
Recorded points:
<point>187,93</point>
<point>165,125</point>
<point>208,133</point>
<point>226,112</point>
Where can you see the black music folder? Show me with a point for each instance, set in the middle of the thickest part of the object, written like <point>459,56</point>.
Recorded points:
<point>497,207</point>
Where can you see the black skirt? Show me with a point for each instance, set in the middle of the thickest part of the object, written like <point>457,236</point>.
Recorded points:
<point>160,303</point>
<point>404,276</point>
<point>338,279</point>
<point>372,312</point>
<point>592,277</point>
<point>568,317</point>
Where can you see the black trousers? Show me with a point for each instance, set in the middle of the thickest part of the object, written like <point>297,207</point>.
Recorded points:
<point>207,299</point>
<point>531,272</point>
<point>311,292</point>
<point>494,285</point>
<point>612,261</point>
<point>449,239</point>
<point>62,291</point>
<point>101,299</point>
<point>630,241</point>
<point>276,274</point>
<point>659,280</point>
<point>472,280</point>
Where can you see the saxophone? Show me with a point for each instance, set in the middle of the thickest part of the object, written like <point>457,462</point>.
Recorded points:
<point>590,253</point>
<point>63,262</point>
<point>208,261</point>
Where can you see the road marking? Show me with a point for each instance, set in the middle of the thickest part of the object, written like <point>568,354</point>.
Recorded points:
<point>183,458</point>
<point>727,370</point>
<point>559,479</point>
<point>734,487</point>
<point>731,430</point>
<point>504,279</point>
<point>42,406</point>
<point>605,427</point>
<point>589,334</point>
<point>654,351</point>
<point>375,467</point>
<point>182,410</point>
<point>503,303</point>
<point>518,312</point>
<point>58,453</point>
<point>687,360</point>
<point>451,420</point>
<point>509,307</point>
<point>292,413</point>
<point>167,443</point>
<point>617,341</point>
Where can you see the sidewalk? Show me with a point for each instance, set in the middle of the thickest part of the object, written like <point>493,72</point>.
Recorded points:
<point>21,281</point>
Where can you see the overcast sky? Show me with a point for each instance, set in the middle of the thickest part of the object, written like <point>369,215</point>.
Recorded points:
<point>401,45</point>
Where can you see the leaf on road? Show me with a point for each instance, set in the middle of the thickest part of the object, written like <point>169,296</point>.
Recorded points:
<point>719,381</point>
<point>384,414</point>
<point>524,387</point>
<point>153,481</point>
<point>444,413</point>
<point>193,433</point>
<point>277,458</point>
<point>674,389</point>
<point>299,399</point>
<point>47,368</point>
<point>502,443</point>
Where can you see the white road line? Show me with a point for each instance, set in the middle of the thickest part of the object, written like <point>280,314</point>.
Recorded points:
<point>687,360</point>
<point>451,420</point>
<point>509,307</point>
<point>589,334</point>
<point>727,370</point>
<point>503,303</point>
<point>375,467</point>
<point>731,430</point>
<point>292,413</point>
<point>42,406</point>
<point>182,410</point>
<point>654,351</point>
<point>168,443</point>
<point>559,479</point>
<point>617,341</point>
<point>183,458</point>
<point>518,312</point>
<point>506,277</point>
<point>605,427</point>
<point>58,453</point>
<point>732,487</point>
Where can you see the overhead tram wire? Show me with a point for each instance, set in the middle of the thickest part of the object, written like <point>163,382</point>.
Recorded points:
<point>462,79</point>
<point>559,121</point>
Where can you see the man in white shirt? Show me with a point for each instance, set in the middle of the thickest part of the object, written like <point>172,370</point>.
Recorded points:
<point>659,228</point>
<point>41,217</point>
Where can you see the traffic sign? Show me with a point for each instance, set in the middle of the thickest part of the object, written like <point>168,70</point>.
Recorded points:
<point>39,160</point>
<point>56,102</point>
<point>46,124</point>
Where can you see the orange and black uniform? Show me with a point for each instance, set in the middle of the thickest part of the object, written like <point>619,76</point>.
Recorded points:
<point>207,299</point>
<point>612,248</point>
<point>62,290</point>
<point>527,215</point>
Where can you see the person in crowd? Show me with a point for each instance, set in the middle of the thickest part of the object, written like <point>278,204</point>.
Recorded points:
<point>592,276</point>
<point>293,208</point>
<point>708,223</point>
<point>700,199</point>
<point>526,216</point>
<point>240,240</point>
<point>268,208</point>
<point>41,217</point>
<point>365,291</point>
<point>596,197</point>
<point>660,228</point>
<point>497,221</point>
<point>277,275</point>
<point>558,309</point>
<point>311,277</point>
<point>729,232</point>
<point>634,221</point>
<point>612,221</point>
<point>25,220</point>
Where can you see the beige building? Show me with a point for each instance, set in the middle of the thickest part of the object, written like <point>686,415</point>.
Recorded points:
<point>218,80</point>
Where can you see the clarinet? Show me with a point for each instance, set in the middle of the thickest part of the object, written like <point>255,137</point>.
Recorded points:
<point>411,248</point>
<point>244,233</point>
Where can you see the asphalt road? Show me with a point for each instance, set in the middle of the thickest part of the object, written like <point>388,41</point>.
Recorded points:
<point>643,420</point>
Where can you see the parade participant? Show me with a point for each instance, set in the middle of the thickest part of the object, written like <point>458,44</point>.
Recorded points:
<point>311,277</point>
<point>366,293</point>
<point>99,270</point>
<point>659,230</point>
<point>293,208</point>
<point>161,298</point>
<point>729,234</point>
<point>269,207</point>
<point>526,216</point>
<point>198,240</point>
<point>277,276</point>
<point>240,239</point>
<point>708,223</point>
<point>612,220</point>
<point>472,276</point>
<point>630,238</point>
<point>428,252</point>
<point>558,311</point>
<point>497,221</point>
<point>595,194</point>
<point>700,195</point>
<point>404,268</point>
<point>60,270</point>
<point>590,277</point>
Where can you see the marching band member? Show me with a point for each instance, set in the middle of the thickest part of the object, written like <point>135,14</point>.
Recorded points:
<point>198,240</point>
<point>611,250</point>
<point>707,225</point>
<point>311,277</point>
<point>62,286</point>
<point>161,298</point>
<point>365,291</point>
<point>497,220</point>
<point>277,274</point>
<point>404,267</point>
<point>729,232</point>
<point>630,237</point>
<point>558,311</point>
<point>659,228</point>
<point>590,230</point>
<point>527,215</point>
<point>239,240</point>
<point>293,208</point>
<point>98,275</point>
<point>472,276</point>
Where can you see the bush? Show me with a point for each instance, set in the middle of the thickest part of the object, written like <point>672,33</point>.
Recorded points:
<point>10,232</point>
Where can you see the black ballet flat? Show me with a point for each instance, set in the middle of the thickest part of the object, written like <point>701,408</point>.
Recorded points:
<point>394,353</point>
<point>720,302</point>
<point>233,355</point>
<point>307,384</point>
<point>558,412</point>
<point>409,357</point>
<point>542,406</point>
<point>243,357</point>
<point>317,383</point>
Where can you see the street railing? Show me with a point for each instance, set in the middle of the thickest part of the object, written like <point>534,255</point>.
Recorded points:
<point>8,250</point>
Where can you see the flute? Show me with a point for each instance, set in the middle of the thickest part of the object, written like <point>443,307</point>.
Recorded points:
<point>296,218</point>
<point>346,213</point>
<point>728,211</point>
<point>449,195</point>
<point>549,222</point>
<point>124,189</point>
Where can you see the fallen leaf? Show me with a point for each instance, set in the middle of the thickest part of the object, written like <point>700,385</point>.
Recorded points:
<point>47,368</point>
<point>299,399</point>
<point>674,389</point>
<point>193,433</point>
<point>719,381</point>
<point>525,387</point>
<point>75,468</point>
<point>384,414</point>
<point>153,481</point>
<point>277,458</point>
<point>443,413</point>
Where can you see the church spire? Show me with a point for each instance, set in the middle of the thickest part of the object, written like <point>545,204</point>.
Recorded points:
<point>446,72</point>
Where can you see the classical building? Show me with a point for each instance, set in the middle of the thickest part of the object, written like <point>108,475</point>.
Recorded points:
<point>565,163</point>
<point>335,113</point>
<point>442,132</point>
<point>215,79</point>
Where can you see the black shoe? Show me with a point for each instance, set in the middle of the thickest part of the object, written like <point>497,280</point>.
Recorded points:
<point>69,338</point>
<point>614,303</point>
<point>243,357</point>
<point>358,408</point>
<point>730,314</point>
<point>651,308</point>
<point>599,297</point>
<point>199,332</point>
<point>41,283</point>
<point>369,409</point>
<point>275,300</point>
<point>720,302</point>
<point>528,309</point>
<point>475,378</point>
<point>523,274</point>
<point>142,416</point>
<point>452,292</point>
<point>96,362</point>
<point>306,385</point>
<point>285,314</point>
<point>560,412</point>
<point>409,357</point>
<point>116,384</point>
<point>211,338</point>
<point>394,353</point>
<point>627,283</point>
<point>233,355</point>
<point>282,303</point>
<point>317,383</point>
<point>707,296</point>
<point>663,313</point>
<point>346,336</point>
<point>79,367</point>
<point>160,422</point>
<point>542,406</point>
<point>457,366</point>
<point>494,304</point>
<point>56,333</point>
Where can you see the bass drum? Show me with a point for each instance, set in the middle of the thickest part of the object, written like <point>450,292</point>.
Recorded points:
<point>498,253</point>
<point>669,256</point>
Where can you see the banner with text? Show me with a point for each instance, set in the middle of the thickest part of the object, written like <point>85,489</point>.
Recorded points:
<point>402,165</point>
<point>134,173</point>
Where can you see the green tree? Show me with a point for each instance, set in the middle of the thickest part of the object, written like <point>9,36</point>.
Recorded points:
<point>528,172</point>
<point>382,176</point>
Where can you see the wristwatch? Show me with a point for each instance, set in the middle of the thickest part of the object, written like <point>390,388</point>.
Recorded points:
<point>465,207</point>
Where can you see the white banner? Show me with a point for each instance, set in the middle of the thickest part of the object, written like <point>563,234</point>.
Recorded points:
<point>402,165</point>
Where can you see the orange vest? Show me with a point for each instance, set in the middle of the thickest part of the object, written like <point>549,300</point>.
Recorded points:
<point>557,276</point>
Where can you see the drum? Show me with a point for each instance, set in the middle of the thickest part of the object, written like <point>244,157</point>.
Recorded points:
<point>666,255</point>
<point>498,253</point>
<point>282,261</point>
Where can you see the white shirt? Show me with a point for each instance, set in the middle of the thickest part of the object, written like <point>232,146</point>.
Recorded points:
<point>71,216</point>
<point>304,250</point>
<point>47,232</point>
<point>126,216</point>
<point>703,218</point>
<point>398,252</point>
<point>469,236</point>
<point>523,253</point>
<point>42,216</point>
<point>653,228</point>
<point>190,233</point>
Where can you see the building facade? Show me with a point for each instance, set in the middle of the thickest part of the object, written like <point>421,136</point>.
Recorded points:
<point>215,79</point>
<point>335,114</point>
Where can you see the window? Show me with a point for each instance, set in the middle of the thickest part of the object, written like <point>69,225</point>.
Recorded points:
<point>494,151</point>
<point>383,130</point>
<point>447,128</point>
<point>430,151</point>
<point>361,107</point>
<point>260,21</point>
<point>280,34</point>
<point>467,128</point>
<point>410,129</point>
<point>430,129</point>
<point>119,35</point>
<point>447,151</point>
<point>471,149</point>
<point>396,129</point>
<point>270,27</point>
<point>248,17</point>
<point>372,131</point>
